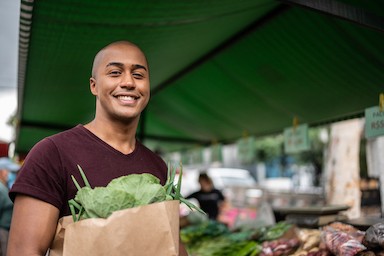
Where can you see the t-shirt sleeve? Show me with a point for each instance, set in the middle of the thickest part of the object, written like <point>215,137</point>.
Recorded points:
<point>221,196</point>
<point>41,175</point>
<point>193,195</point>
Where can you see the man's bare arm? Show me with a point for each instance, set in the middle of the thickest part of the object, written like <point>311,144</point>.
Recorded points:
<point>33,227</point>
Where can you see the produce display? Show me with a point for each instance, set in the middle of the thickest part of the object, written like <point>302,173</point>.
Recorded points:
<point>213,238</point>
<point>374,236</point>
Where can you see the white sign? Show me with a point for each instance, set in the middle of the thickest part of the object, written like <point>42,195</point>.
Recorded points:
<point>374,122</point>
<point>296,139</point>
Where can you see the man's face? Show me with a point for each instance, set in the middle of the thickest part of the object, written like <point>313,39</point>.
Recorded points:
<point>121,83</point>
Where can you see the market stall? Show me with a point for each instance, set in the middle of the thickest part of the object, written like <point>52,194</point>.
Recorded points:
<point>220,69</point>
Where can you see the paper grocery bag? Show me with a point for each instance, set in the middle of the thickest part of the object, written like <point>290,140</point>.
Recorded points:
<point>58,242</point>
<point>146,230</point>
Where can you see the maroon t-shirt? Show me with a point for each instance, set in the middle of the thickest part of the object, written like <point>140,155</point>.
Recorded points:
<point>46,172</point>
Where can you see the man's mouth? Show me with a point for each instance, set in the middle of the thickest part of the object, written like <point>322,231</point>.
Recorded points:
<point>127,98</point>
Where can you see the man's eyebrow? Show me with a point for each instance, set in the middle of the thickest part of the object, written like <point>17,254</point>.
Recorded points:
<point>138,66</point>
<point>120,65</point>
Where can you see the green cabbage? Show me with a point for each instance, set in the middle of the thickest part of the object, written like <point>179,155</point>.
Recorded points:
<point>124,192</point>
<point>100,202</point>
<point>145,188</point>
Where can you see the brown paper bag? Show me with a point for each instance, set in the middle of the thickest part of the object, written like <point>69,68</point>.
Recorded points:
<point>146,230</point>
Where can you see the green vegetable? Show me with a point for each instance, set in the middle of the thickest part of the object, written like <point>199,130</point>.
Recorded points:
<point>276,231</point>
<point>145,188</point>
<point>210,228</point>
<point>122,193</point>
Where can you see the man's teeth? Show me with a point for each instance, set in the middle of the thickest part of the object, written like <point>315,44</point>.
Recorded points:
<point>126,98</point>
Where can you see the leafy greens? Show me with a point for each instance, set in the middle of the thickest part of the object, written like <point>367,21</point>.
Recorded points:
<point>124,192</point>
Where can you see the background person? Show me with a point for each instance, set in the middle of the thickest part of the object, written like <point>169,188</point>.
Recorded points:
<point>210,199</point>
<point>105,148</point>
<point>7,168</point>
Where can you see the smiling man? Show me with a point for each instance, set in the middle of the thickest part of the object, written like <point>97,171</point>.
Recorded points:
<point>105,148</point>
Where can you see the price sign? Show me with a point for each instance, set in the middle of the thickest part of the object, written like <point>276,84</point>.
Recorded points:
<point>216,153</point>
<point>196,156</point>
<point>374,122</point>
<point>246,150</point>
<point>296,139</point>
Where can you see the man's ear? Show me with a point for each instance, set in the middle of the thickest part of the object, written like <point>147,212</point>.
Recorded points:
<point>92,85</point>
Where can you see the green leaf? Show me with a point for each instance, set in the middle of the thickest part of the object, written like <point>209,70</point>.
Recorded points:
<point>101,202</point>
<point>145,188</point>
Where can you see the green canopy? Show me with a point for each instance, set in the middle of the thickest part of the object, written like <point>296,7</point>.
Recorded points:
<point>218,68</point>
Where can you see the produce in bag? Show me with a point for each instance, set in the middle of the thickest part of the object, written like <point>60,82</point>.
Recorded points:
<point>137,223</point>
<point>122,193</point>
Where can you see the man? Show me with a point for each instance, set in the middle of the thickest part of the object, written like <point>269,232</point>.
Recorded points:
<point>7,167</point>
<point>105,148</point>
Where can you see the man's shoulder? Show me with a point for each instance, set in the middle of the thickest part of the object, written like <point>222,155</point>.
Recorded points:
<point>76,130</point>
<point>67,136</point>
<point>55,140</point>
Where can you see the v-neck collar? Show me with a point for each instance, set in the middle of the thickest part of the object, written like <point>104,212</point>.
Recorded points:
<point>105,144</point>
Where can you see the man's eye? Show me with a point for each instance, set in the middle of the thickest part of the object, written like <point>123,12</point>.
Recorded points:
<point>138,75</point>
<point>114,73</point>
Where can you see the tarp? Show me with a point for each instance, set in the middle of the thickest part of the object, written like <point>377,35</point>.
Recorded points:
<point>218,68</point>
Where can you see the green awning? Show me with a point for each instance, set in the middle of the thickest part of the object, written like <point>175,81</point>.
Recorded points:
<point>218,68</point>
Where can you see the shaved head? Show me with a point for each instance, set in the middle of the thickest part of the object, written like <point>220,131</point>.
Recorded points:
<point>99,56</point>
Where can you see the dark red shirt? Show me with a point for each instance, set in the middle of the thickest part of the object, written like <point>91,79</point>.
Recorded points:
<point>46,172</point>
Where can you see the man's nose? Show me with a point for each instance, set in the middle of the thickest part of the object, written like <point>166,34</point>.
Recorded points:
<point>127,81</point>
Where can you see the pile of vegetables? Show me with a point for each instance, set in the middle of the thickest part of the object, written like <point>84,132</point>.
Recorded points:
<point>124,192</point>
<point>213,238</point>
<point>283,239</point>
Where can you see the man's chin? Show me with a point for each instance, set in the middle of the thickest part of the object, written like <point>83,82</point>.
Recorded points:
<point>127,118</point>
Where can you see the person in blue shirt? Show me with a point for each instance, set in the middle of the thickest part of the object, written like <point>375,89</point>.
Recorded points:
<point>8,170</point>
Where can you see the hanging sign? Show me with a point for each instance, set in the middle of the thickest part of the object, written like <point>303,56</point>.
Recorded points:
<point>374,122</point>
<point>246,150</point>
<point>296,139</point>
<point>196,155</point>
<point>216,153</point>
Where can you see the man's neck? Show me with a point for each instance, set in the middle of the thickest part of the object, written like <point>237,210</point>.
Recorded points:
<point>120,136</point>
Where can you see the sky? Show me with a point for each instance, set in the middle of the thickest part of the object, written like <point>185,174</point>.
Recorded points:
<point>9,32</point>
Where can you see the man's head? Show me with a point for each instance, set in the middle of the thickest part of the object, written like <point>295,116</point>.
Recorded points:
<point>120,81</point>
